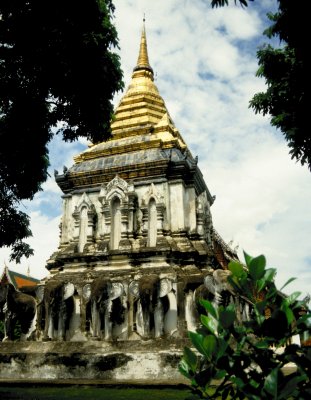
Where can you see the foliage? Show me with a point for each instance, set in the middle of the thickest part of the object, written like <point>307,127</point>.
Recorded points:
<point>286,72</point>
<point>246,357</point>
<point>221,3</point>
<point>57,73</point>
<point>17,330</point>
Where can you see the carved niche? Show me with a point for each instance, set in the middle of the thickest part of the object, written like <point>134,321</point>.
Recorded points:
<point>153,213</point>
<point>84,216</point>
<point>118,205</point>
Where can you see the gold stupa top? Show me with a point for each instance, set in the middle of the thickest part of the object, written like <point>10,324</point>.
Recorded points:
<point>141,120</point>
<point>143,59</point>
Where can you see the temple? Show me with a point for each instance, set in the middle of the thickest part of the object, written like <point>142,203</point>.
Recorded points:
<point>137,247</point>
<point>136,228</point>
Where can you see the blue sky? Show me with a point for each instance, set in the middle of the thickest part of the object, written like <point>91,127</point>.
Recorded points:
<point>205,64</point>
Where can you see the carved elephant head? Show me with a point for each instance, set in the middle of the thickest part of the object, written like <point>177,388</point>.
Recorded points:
<point>56,291</point>
<point>58,300</point>
<point>102,289</point>
<point>147,290</point>
<point>166,286</point>
<point>219,281</point>
<point>218,285</point>
<point>19,307</point>
<point>156,308</point>
<point>106,295</point>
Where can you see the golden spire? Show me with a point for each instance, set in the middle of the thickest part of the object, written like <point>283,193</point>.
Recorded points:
<point>143,59</point>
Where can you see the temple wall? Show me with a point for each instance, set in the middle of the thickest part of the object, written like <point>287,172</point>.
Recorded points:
<point>176,205</point>
<point>74,362</point>
<point>190,209</point>
<point>177,211</point>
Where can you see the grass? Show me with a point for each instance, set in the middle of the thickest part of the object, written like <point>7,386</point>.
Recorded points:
<point>92,393</point>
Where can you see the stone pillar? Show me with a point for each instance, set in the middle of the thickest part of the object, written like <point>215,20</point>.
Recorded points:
<point>177,212</point>
<point>160,219</point>
<point>182,327</point>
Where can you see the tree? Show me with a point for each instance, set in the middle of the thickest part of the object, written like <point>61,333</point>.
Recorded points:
<point>286,72</point>
<point>247,356</point>
<point>58,73</point>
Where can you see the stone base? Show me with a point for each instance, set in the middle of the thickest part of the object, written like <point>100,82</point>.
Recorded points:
<point>145,362</point>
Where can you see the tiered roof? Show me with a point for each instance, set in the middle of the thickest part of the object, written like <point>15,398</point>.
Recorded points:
<point>144,142</point>
<point>16,279</point>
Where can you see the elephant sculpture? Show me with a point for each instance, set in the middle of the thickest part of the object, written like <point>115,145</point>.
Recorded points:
<point>217,289</point>
<point>17,307</point>
<point>108,308</point>
<point>59,307</point>
<point>155,308</point>
<point>218,286</point>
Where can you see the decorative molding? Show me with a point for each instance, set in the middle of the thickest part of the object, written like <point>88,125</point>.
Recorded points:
<point>152,193</point>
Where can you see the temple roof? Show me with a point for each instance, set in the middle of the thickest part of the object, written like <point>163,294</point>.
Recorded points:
<point>141,120</point>
<point>16,279</point>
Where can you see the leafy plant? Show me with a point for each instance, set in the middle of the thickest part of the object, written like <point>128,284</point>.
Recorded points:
<point>251,358</point>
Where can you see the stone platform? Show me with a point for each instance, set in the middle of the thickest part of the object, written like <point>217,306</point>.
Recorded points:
<point>146,362</point>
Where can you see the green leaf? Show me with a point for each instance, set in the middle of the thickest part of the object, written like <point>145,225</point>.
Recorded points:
<point>220,374</point>
<point>210,323</point>
<point>183,368</point>
<point>210,345</point>
<point>235,282</point>
<point>238,381</point>
<point>237,269</point>
<point>271,383</point>
<point>270,274</point>
<point>222,347</point>
<point>261,283</point>
<point>190,358</point>
<point>209,307</point>
<point>262,344</point>
<point>257,267</point>
<point>291,386</point>
<point>227,318</point>
<point>254,383</point>
<point>247,258</point>
<point>287,283</point>
<point>292,297</point>
<point>288,312</point>
<point>197,341</point>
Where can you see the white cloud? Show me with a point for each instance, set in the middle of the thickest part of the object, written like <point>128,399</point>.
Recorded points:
<point>205,61</point>
<point>45,241</point>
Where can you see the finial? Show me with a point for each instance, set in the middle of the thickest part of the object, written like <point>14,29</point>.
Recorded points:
<point>6,268</point>
<point>143,59</point>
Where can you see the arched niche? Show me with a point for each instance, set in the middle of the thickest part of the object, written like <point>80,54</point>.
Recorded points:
<point>83,228</point>
<point>153,210</point>
<point>115,236</point>
<point>84,221</point>
<point>152,223</point>
<point>118,201</point>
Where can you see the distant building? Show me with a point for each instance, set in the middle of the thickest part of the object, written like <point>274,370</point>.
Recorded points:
<point>16,279</point>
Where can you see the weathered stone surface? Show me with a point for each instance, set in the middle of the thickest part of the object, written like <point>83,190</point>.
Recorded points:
<point>50,361</point>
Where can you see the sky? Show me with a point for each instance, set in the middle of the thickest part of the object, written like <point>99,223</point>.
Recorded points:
<point>205,63</point>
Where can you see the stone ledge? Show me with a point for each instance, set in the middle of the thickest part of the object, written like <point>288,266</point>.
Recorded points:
<point>72,362</point>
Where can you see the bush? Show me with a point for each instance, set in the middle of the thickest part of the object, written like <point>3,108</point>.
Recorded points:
<point>253,358</point>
